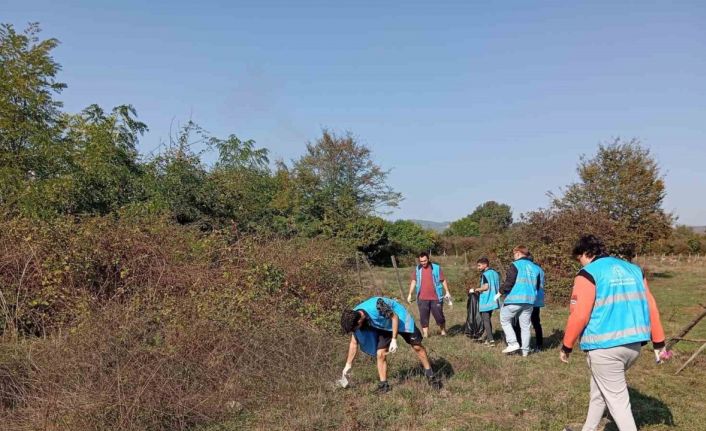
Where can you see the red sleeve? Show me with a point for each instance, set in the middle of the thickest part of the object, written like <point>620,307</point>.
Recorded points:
<point>655,321</point>
<point>583,297</point>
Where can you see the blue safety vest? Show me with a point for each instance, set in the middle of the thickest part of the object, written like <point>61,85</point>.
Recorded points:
<point>621,313</point>
<point>539,302</point>
<point>486,301</point>
<point>436,275</point>
<point>524,291</point>
<point>367,335</point>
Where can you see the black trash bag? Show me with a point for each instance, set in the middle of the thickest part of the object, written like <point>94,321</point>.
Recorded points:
<point>473,327</point>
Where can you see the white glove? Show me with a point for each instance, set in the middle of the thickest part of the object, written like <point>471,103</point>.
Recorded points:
<point>346,370</point>
<point>471,290</point>
<point>497,296</point>
<point>393,346</point>
<point>409,298</point>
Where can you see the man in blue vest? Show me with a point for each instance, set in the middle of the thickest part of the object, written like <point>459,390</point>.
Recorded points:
<point>613,314</point>
<point>535,318</point>
<point>375,324</point>
<point>430,284</point>
<point>487,292</point>
<point>522,281</point>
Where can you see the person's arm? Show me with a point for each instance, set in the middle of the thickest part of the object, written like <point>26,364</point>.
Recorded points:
<point>583,298</point>
<point>655,321</point>
<point>484,286</point>
<point>412,285</point>
<point>510,278</point>
<point>352,350</point>
<point>395,325</point>
<point>446,288</point>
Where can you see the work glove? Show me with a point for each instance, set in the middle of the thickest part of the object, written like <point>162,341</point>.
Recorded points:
<point>471,290</point>
<point>343,381</point>
<point>393,346</point>
<point>662,355</point>
<point>346,370</point>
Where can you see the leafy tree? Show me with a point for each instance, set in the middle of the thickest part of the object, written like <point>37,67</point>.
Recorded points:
<point>407,237</point>
<point>337,182</point>
<point>492,217</point>
<point>465,226</point>
<point>623,182</point>
<point>30,119</point>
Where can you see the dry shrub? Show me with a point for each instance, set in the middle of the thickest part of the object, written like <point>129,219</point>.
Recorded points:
<point>154,326</point>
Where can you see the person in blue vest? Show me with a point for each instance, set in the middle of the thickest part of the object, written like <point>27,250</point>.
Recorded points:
<point>523,279</point>
<point>535,319</point>
<point>431,289</point>
<point>375,324</point>
<point>613,314</point>
<point>487,296</point>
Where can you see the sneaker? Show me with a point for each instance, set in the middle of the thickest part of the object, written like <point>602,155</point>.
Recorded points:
<point>383,388</point>
<point>510,349</point>
<point>525,353</point>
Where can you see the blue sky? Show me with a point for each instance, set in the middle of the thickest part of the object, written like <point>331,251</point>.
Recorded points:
<point>464,101</point>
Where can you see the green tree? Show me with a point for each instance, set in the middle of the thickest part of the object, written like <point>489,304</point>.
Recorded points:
<point>30,118</point>
<point>337,182</point>
<point>623,182</point>
<point>492,217</point>
<point>465,226</point>
<point>407,237</point>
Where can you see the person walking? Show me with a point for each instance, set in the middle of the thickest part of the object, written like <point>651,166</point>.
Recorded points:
<point>612,314</point>
<point>523,280</point>
<point>375,324</point>
<point>487,296</point>
<point>535,319</point>
<point>429,282</point>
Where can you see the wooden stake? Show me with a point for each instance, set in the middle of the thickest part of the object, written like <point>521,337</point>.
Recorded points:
<point>674,340</point>
<point>701,349</point>
<point>397,273</point>
<point>378,285</point>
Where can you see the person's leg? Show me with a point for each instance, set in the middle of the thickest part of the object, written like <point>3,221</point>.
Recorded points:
<point>382,364</point>
<point>506,315</point>
<point>596,407</point>
<point>487,325</point>
<point>608,368</point>
<point>525,323</point>
<point>424,310</point>
<point>437,310</point>
<point>516,328</point>
<point>537,325</point>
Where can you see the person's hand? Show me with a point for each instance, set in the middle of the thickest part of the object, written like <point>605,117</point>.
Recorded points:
<point>662,355</point>
<point>346,370</point>
<point>448,295</point>
<point>563,356</point>
<point>471,290</point>
<point>393,346</point>
<point>409,298</point>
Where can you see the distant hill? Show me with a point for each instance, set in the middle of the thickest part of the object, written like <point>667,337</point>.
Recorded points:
<point>697,229</point>
<point>433,225</point>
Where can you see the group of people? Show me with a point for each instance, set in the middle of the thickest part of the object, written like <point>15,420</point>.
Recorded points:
<point>612,314</point>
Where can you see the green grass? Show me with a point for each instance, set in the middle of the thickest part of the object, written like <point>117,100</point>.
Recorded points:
<point>486,390</point>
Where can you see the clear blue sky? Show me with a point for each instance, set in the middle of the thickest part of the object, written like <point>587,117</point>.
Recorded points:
<point>464,101</point>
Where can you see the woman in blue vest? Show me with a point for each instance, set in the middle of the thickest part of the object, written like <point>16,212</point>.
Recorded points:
<point>375,324</point>
<point>523,279</point>
<point>613,313</point>
<point>487,296</point>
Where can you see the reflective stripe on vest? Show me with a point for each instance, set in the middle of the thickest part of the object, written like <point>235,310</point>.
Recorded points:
<point>436,275</point>
<point>620,312</point>
<point>485,300</point>
<point>524,291</point>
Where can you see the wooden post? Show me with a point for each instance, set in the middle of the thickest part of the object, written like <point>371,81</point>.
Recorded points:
<point>357,269</point>
<point>674,340</point>
<point>397,274</point>
<point>465,258</point>
<point>701,349</point>
<point>378,286</point>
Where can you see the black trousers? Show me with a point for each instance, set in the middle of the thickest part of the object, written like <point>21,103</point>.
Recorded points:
<point>536,325</point>
<point>486,315</point>
<point>431,307</point>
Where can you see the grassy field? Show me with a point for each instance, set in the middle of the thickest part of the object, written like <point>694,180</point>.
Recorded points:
<point>485,390</point>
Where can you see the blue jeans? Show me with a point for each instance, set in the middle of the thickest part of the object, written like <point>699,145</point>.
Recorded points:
<point>525,314</point>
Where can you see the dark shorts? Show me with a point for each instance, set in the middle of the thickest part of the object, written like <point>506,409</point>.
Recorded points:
<point>385,338</point>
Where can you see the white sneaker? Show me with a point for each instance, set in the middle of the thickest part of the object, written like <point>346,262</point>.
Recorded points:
<point>510,349</point>
<point>525,353</point>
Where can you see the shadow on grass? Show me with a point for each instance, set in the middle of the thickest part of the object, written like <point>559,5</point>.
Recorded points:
<point>442,368</point>
<point>456,330</point>
<point>554,340</point>
<point>665,274</point>
<point>647,410</point>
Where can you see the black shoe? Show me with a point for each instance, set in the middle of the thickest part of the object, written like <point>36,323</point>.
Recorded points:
<point>383,388</point>
<point>435,382</point>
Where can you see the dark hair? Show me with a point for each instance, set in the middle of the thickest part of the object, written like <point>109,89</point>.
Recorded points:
<point>483,260</point>
<point>423,254</point>
<point>589,244</point>
<point>521,249</point>
<point>349,320</point>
